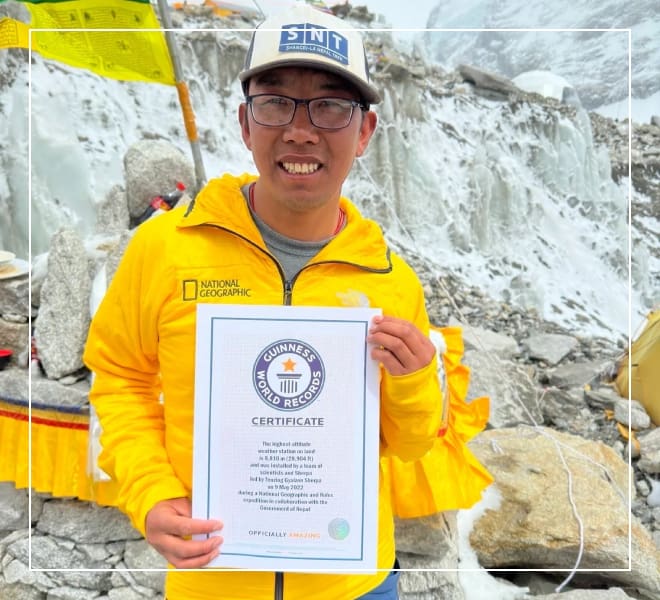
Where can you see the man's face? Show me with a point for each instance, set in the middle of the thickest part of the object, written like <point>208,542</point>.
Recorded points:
<point>301,166</point>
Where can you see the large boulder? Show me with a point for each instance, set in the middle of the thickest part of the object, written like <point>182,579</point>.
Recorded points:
<point>549,499</point>
<point>153,167</point>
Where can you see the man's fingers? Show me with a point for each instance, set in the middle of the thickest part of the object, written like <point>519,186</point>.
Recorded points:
<point>186,528</point>
<point>169,530</point>
<point>193,549</point>
<point>399,345</point>
<point>195,563</point>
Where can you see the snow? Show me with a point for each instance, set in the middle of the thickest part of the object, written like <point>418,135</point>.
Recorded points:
<point>642,109</point>
<point>520,204</point>
<point>547,84</point>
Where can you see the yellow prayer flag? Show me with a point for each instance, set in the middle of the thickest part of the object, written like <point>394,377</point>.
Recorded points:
<point>13,34</point>
<point>134,55</point>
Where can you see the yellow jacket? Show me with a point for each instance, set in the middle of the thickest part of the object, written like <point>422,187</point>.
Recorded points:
<point>141,345</point>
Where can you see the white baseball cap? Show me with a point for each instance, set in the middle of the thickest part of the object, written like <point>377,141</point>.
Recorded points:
<point>303,36</point>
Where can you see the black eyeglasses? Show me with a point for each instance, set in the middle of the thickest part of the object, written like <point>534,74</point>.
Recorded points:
<point>274,110</point>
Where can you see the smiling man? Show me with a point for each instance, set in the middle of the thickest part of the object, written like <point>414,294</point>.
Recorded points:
<point>284,236</point>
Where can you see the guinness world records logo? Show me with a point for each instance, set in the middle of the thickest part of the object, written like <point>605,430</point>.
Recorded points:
<point>288,375</point>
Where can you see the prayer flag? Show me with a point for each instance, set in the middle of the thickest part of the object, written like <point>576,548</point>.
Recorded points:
<point>131,54</point>
<point>13,34</point>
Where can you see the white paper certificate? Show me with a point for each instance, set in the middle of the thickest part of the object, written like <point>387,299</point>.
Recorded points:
<point>286,436</point>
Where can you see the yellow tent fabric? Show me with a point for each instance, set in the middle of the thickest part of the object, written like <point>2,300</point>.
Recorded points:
<point>449,476</point>
<point>644,372</point>
<point>59,453</point>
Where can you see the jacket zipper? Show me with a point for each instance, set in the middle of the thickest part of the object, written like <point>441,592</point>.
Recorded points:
<point>286,301</point>
<point>279,585</point>
<point>288,283</point>
<point>288,291</point>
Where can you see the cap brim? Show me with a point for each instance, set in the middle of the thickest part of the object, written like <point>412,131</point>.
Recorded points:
<point>367,92</point>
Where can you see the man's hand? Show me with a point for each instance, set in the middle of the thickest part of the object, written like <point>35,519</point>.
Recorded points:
<point>169,526</point>
<point>399,345</point>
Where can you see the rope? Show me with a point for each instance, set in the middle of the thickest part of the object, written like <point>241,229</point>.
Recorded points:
<point>558,444</point>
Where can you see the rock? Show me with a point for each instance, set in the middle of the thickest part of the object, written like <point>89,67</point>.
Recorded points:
<point>564,410</point>
<point>153,167</point>
<point>487,80</point>
<point>601,398</point>
<point>513,396</point>
<point>478,338</point>
<point>61,329</point>
<point>631,413</point>
<point>19,591</point>
<point>550,347</point>
<point>14,296</point>
<point>84,522</point>
<point>575,374</point>
<point>112,214</point>
<point>14,336</point>
<point>426,579</point>
<point>13,508</point>
<point>71,593</point>
<point>534,527</point>
<point>649,461</point>
<point>138,556</point>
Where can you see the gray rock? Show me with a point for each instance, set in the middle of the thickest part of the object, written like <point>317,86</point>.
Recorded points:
<point>563,409</point>
<point>14,384</point>
<point>61,328</point>
<point>15,336</point>
<point>550,347</point>
<point>13,507</point>
<point>68,564</point>
<point>153,167</point>
<point>425,578</point>
<point>434,535</point>
<point>140,555</point>
<point>575,375</point>
<point>85,522</point>
<point>649,461</point>
<point>14,296</point>
<point>603,397</point>
<point>19,591</point>
<point>513,396</point>
<point>55,393</point>
<point>631,413</point>
<point>478,338</point>
<point>112,214</point>
<point>487,80</point>
<point>70,593</point>
<point>16,572</point>
<point>535,524</point>
<point>127,593</point>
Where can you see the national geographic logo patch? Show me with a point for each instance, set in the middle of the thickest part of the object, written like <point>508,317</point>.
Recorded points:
<point>200,289</point>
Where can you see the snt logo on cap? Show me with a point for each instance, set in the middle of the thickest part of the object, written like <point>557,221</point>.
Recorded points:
<point>306,37</point>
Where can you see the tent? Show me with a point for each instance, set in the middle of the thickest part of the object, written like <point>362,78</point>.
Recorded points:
<point>644,373</point>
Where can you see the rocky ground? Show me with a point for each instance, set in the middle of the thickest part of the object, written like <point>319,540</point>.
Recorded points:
<point>606,418</point>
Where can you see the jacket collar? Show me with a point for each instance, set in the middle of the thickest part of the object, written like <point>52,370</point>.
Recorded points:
<point>221,203</point>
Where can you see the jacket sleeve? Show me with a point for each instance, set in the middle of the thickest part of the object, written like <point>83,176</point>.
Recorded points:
<point>121,351</point>
<point>411,405</point>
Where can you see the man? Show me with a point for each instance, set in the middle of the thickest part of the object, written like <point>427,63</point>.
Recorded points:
<point>284,237</point>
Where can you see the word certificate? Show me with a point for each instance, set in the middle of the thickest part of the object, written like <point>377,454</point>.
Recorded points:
<point>286,436</point>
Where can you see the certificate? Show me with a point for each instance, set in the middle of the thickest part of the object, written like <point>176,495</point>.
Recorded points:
<point>286,436</point>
